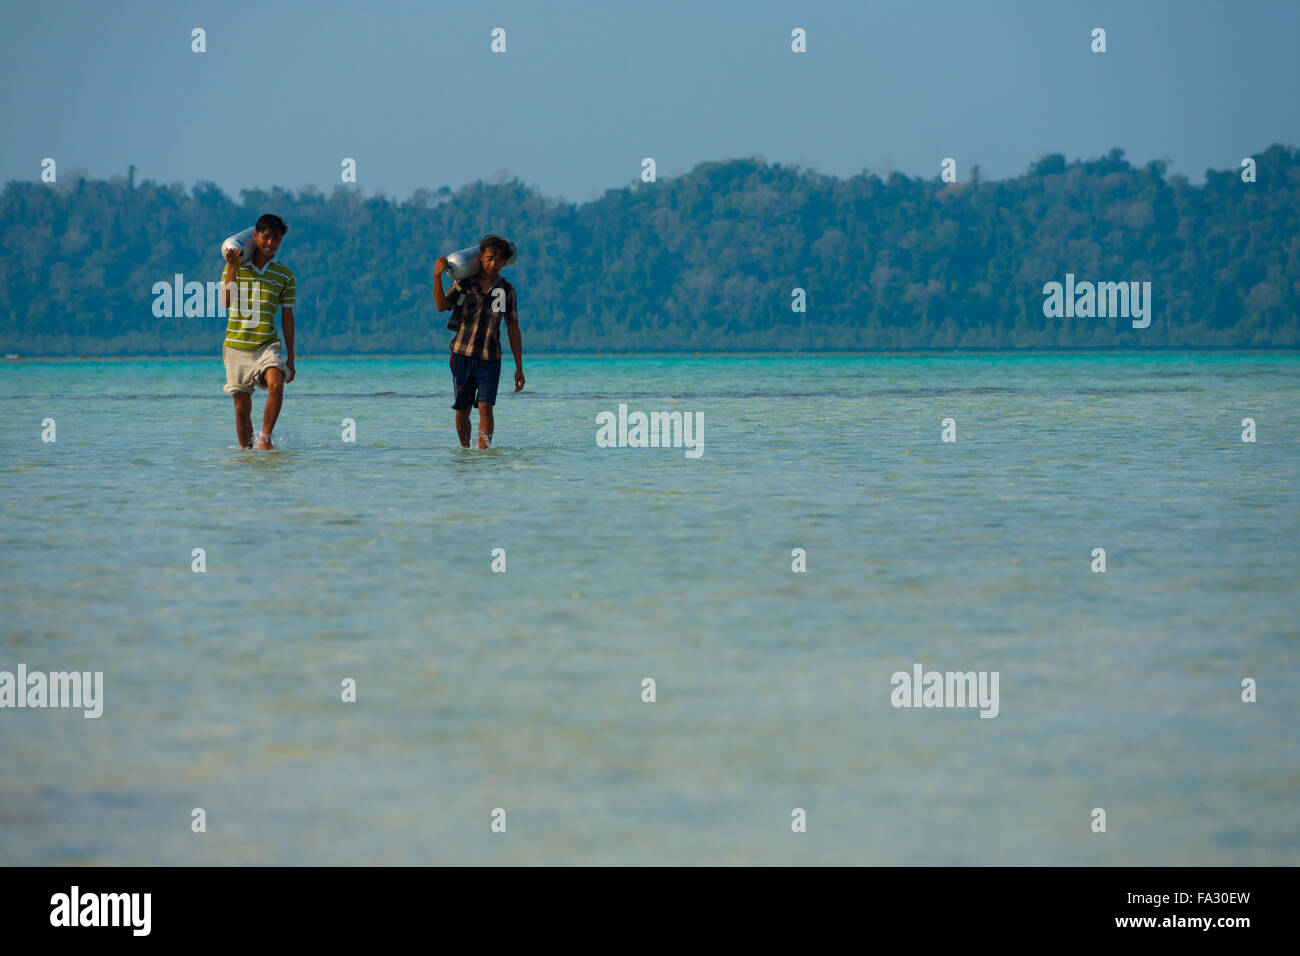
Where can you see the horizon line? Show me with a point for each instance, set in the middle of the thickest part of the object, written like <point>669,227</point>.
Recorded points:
<point>881,174</point>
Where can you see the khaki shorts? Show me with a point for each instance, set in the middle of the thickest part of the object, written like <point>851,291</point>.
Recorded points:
<point>245,369</point>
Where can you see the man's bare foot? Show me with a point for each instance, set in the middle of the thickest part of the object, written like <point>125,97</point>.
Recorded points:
<point>264,442</point>
<point>484,441</point>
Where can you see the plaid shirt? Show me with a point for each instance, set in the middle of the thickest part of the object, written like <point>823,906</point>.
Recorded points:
<point>479,335</point>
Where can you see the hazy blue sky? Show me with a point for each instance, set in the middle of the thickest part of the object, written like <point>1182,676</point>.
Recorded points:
<point>287,88</point>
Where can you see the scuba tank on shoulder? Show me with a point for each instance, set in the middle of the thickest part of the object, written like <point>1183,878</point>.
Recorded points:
<point>463,265</point>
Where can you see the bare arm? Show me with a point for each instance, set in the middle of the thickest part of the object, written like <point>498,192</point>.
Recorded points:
<point>517,347</point>
<point>286,320</point>
<point>441,301</point>
<point>232,273</point>
<point>516,341</point>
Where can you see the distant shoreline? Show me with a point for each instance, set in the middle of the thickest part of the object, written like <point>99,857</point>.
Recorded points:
<point>695,353</point>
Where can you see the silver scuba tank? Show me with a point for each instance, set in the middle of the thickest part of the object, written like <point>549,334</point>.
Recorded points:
<point>466,264</point>
<point>243,241</point>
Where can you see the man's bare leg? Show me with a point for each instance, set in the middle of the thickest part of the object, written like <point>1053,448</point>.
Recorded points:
<point>485,424</point>
<point>274,399</point>
<point>462,426</point>
<point>243,419</point>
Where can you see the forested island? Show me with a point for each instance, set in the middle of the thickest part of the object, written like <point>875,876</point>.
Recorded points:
<point>710,260</point>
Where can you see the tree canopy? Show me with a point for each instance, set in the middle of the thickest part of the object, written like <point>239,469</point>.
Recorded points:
<point>704,261</point>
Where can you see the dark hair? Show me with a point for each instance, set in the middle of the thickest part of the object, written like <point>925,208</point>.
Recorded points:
<point>268,221</point>
<point>502,247</point>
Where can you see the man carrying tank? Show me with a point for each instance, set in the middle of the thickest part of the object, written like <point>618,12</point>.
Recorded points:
<point>480,303</point>
<point>253,291</point>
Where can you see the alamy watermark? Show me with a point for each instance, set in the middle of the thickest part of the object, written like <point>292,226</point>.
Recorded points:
<point>1086,300</point>
<point>655,430</point>
<point>198,300</point>
<point>76,689</point>
<point>949,689</point>
<point>76,908</point>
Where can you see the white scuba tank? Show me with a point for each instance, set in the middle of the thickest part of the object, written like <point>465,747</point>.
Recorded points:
<point>243,241</point>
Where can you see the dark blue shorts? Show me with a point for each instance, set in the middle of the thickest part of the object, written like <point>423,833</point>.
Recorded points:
<point>475,380</point>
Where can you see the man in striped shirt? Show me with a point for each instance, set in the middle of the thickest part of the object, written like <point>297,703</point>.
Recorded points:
<point>480,303</point>
<point>253,291</point>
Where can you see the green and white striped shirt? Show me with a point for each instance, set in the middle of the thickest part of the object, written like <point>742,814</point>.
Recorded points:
<point>255,300</point>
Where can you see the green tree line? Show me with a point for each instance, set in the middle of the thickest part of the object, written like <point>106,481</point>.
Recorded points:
<point>705,261</point>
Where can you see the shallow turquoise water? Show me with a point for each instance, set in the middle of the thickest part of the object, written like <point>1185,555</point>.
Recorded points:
<point>522,690</point>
